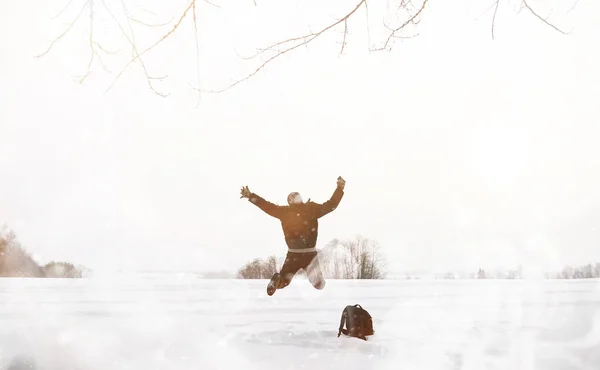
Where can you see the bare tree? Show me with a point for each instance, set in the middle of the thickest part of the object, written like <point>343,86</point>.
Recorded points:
<point>408,13</point>
<point>259,269</point>
<point>357,258</point>
<point>329,261</point>
<point>55,269</point>
<point>251,270</point>
<point>269,267</point>
<point>14,260</point>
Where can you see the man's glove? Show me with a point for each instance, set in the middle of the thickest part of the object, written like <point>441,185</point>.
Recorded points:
<point>341,183</point>
<point>245,192</point>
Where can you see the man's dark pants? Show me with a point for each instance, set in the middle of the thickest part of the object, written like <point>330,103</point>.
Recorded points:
<point>308,261</point>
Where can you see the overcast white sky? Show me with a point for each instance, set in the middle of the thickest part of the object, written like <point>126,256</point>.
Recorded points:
<point>458,151</point>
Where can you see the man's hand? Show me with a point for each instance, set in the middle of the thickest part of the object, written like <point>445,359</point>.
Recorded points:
<point>341,182</point>
<point>245,192</point>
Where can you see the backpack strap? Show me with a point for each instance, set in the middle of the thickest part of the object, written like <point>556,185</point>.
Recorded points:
<point>363,310</point>
<point>343,322</point>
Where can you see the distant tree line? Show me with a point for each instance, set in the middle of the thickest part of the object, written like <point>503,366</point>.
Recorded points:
<point>16,262</point>
<point>588,271</point>
<point>356,258</point>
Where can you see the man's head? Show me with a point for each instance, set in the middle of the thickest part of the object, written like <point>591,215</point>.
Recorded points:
<point>294,198</point>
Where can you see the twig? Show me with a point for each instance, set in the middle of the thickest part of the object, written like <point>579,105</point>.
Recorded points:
<point>63,10</point>
<point>135,52</point>
<point>573,7</point>
<point>104,50</point>
<point>91,42</point>
<point>277,44</point>
<point>493,4</point>
<point>66,30</point>
<point>368,27</point>
<point>345,35</point>
<point>148,24</point>
<point>132,42</point>
<point>213,4</point>
<point>139,55</point>
<point>197,55</point>
<point>524,2</point>
<point>145,10</point>
<point>494,17</point>
<point>394,31</point>
<point>102,63</point>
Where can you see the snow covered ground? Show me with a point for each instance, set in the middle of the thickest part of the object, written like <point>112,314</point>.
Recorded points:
<point>170,321</point>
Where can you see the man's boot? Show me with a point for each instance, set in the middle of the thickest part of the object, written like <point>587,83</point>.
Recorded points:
<point>272,287</point>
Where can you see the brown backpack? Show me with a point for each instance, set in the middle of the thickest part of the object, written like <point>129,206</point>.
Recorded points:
<point>358,321</point>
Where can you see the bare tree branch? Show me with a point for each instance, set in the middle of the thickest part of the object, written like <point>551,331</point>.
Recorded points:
<point>104,50</point>
<point>104,66</point>
<point>66,30</point>
<point>492,5</point>
<point>208,2</point>
<point>526,5</point>
<point>412,20</point>
<point>368,27</point>
<point>574,5</point>
<point>290,46</point>
<point>63,10</point>
<point>411,16</point>
<point>494,17</point>
<point>345,35</point>
<point>94,47</point>
<point>197,55</point>
<point>91,42</point>
<point>148,24</point>
<point>132,42</point>
<point>165,36</point>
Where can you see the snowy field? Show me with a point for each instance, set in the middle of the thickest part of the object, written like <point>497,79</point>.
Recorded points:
<point>170,321</point>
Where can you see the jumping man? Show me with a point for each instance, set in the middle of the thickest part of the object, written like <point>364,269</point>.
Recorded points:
<point>300,229</point>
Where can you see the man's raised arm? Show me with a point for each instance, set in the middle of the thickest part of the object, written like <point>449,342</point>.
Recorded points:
<point>334,201</point>
<point>268,207</point>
